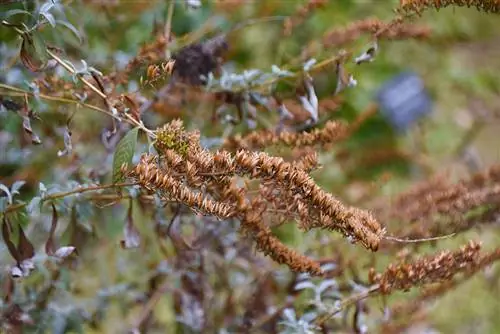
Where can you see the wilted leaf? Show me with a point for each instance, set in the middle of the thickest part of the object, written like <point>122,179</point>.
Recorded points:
<point>8,290</point>
<point>70,27</point>
<point>68,146</point>
<point>305,285</point>
<point>49,245</point>
<point>368,56</point>
<point>132,239</point>
<point>25,247</point>
<point>50,18</point>
<point>34,204</point>
<point>33,52</point>
<point>124,153</point>
<point>16,186</point>
<point>10,105</point>
<point>6,238</point>
<point>13,12</point>
<point>27,128</point>
<point>6,190</point>
<point>16,272</point>
<point>64,252</point>
<point>344,80</point>
<point>23,269</point>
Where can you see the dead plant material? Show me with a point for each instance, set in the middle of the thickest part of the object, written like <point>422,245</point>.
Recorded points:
<point>338,37</point>
<point>438,206</point>
<point>208,183</point>
<point>300,15</point>
<point>431,269</point>
<point>418,6</point>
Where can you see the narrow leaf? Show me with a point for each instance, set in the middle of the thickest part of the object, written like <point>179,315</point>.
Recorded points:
<point>6,190</point>
<point>64,252</point>
<point>50,18</point>
<point>25,247</point>
<point>33,52</point>
<point>10,105</point>
<point>6,238</point>
<point>132,239</point>
<point>49,245</point>
<point>16,186</point>
<point>13,12</point>
<point>124,153</point>
<point>71,28</point>
<point>68,146</point>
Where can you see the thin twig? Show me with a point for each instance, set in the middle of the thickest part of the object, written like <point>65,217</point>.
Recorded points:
<point>69,69</point>
<point>54,196</point>
<point>347,302</point>
<point>391,238</point>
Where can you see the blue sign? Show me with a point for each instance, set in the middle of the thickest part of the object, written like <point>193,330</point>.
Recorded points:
<point>404,100</point>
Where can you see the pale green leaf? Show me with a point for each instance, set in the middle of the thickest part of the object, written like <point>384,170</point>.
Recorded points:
<point>124,153</point>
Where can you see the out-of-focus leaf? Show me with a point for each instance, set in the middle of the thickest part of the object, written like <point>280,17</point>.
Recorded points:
<point>33,52</point>
<point>46,7</point>
<point>13,12</point>
<point>34,205</point>
<point>49,245</point>
<point>64,252</point>
<point>8,290</point>
<point>132,238</point>
<point>10,105</point>
<point>27,128</point>
<point>71,27</point>
<point>23,269</point>
<point>25,247</point>
<point>68,146</point>
<point>305,285</point>
<point>6,228</point>
<point>43,189</point>
<point>6,190</point>
<point>124,153</point>
<point>50,18</point>
<point>16,186</point>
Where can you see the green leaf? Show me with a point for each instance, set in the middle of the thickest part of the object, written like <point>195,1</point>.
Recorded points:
<point>33,51</point>
<point>13,12</point>
<point>124,153</point>
<point>72,28</point>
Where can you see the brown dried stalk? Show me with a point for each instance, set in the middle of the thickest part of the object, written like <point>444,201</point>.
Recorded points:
<point>438,207</point>
<point>208,183</point>
<point>431,269</point>
<point>332,132</point>
<point>401,313</point>
<point>292,21</point>
<point>418,6</point>
<point>338,37</point>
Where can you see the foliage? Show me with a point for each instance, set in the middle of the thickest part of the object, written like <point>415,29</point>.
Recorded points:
<point>225,167</point>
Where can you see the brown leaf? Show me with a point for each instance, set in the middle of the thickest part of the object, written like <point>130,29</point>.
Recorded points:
<point>8,288</point>
<point>6,238</point>
<point>132,237</point>
<point>33,52</point>
<point>27,128</point>
<point>68,146</point>
<point>25,247</point>
<point>49,245</point>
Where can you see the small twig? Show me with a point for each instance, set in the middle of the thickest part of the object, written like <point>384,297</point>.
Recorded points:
<point>391,238</point>
<point>72,71</point>
<point>52,197</point>
<point>168,24</point>
<point>100,93</point>
<point>150,305</point>
<point>347,302</point>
